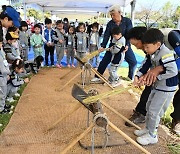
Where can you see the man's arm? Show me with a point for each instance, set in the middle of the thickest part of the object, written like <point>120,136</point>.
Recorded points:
<point>107,35</point>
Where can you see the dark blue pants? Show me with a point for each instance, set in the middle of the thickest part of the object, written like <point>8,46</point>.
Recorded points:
<point>176,104</point>
<point>129,57</point>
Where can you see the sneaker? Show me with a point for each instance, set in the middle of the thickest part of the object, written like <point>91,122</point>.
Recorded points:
<point>17,95</point>
<point>9,107</point>
<point>147,139</point>
<point>95,79</point>
<point>73,65</point>
<point>5,111</point>
<point>58,66</point>
<point>52,65</point>
<point>141,132</point>
<point>136,118</point>
<point>115,83</point>
<point>175,127</point>
<point>68,66</point>
<point>10,99</point>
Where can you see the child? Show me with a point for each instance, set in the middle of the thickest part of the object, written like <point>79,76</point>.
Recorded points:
<point>60,42</point>
<point>163,88</point>
<point>70,46</point>
<point>11,46</point>
<point>94,43</point>
<point>4,73</point>
<point>118,54</point>
<point>37,41</point>
<point>34,65</point>
<point>49,46</point>
<point>81,41</point>
<point>24,40</point>
<point>15,81</point>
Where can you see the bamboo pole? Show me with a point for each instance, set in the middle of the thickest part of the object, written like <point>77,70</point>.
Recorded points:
<point>120,115</point>
<point>66,115</point>
<point>101,77</point>
<point>66,74</point>
<point>77,139</point>
<point>128,138</point>
<point>70,80</point>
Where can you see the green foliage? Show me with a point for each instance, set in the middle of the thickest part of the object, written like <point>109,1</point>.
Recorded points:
<point>174,148</point>
<point>38,15</point>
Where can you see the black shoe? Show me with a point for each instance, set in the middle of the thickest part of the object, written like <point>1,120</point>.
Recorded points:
<point>5,111</point>
<point>7,106</point>
<point>136,118</point>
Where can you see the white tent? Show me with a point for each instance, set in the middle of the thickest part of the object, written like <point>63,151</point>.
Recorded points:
<point>72,8</point>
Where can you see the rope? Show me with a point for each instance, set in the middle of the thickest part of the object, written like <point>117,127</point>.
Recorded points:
<point>92,140</point>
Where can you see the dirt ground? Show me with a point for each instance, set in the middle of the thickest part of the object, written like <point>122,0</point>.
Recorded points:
<point>42,104</point>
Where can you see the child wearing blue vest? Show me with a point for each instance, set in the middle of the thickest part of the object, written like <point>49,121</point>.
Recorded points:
<point>49,45</point>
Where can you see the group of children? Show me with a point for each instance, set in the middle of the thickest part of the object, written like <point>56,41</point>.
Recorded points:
<point>11,64</point>
<point>14,55</point>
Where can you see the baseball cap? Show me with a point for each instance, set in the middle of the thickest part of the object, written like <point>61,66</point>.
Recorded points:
<point>11,36</point>
<point>14,15</point>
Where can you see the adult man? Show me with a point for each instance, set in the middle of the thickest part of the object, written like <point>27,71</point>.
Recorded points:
<point>125,24</point>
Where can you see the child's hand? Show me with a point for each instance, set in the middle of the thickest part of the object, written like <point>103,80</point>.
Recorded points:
<point>8,77</point>
<point>101,49</point>
<point>60,41</point>
<point>26,80</point>
<point>126,49</point>
<point>48,44</point>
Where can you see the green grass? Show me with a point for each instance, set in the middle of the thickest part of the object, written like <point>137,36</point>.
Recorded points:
<point>174,148</point>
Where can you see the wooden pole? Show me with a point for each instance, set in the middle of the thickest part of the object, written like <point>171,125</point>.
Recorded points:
<point>120,115</point>
<point>70,80</point>
<point>77,139</point>
<point>66,115</point>
<point>101,77</point>
<point>128,138</point>
<point>65,75</point>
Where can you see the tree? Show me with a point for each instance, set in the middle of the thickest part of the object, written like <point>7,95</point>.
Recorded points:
<point>148,16</point>
<point>167,12</point>
<point>36,14</point>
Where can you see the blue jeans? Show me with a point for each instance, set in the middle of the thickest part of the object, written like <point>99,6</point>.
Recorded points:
<point>129,57</point>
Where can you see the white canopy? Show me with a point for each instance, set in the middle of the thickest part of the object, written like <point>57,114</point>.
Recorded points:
<point>74,7</point>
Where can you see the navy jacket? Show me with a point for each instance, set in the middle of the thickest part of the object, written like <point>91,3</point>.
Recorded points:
<point>125,25</point>
<point>46,34</point>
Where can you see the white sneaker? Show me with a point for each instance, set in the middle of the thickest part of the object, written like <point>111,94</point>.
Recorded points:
<point>10,99</point>
<point>17,95</point>
<point>95,79</point>
<point>115,83</point>
<point>177,129</point>
<point>141,132</point>
<point>147,139</point>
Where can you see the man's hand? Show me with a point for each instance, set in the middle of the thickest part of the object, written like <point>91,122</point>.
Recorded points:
<point>151,76</point>
<point>136,82</point>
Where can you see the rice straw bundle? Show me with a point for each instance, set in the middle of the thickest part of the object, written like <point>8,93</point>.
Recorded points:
<point>95,98</point>
<point>89,56</point>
